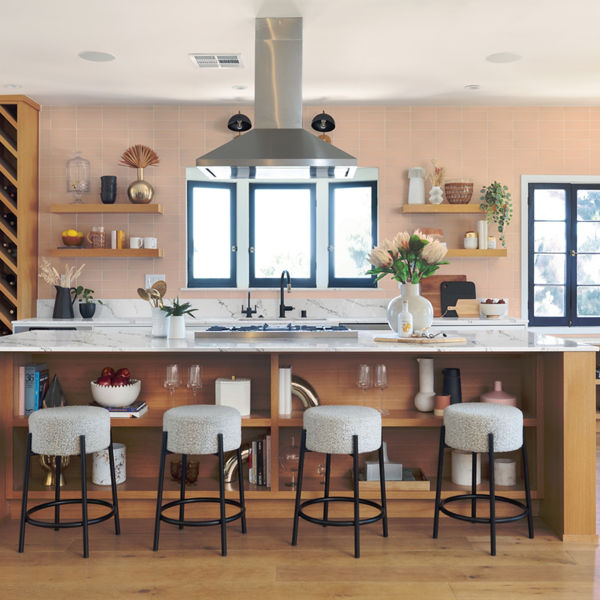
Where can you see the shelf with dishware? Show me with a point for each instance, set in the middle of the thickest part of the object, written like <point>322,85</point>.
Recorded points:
<point>76,208</point>
<point>476,253</point>
<point>107,252</point>
<point>441,209</point>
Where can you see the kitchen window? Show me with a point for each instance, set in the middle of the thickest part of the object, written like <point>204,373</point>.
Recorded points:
<point>564,254</point>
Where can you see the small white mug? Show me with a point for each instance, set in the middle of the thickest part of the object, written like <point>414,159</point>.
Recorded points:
<point>136,242</point>
<point>150,242</point>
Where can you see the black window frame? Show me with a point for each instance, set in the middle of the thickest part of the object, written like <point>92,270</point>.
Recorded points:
<point>350,282</point>
<point>194,282</point>
<point>570,319</point>
<point>271,282</point>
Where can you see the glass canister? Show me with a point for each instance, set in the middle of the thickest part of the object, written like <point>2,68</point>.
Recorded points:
<point>96,237</point>
<point>78,176</point>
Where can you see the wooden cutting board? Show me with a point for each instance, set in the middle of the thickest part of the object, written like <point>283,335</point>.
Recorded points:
<point>466,309</point>
<point>417,340</point>
<point>431,289</point>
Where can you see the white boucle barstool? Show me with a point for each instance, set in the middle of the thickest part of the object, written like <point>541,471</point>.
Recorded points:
<point>201,429</point>
<point>65,431</point>
<point>341,430</point>
<point>488,428</point>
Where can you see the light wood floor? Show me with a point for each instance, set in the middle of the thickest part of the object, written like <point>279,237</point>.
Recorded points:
<point>408,565</point>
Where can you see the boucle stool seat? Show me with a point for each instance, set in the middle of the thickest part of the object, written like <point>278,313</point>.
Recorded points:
<point>193,429</point>
<point>341,430</point>
<point>482,428</point>
<point>201,429</point>
<point>66,431</point>
<point>469,424</point>
<point>56,431</point>
<point>329,429</point>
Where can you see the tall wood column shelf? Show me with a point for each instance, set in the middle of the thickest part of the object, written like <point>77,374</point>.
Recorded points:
<point>18,209</point>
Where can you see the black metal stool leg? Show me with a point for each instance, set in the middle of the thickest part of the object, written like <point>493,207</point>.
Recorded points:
<point>25,493</point>
<point>356,502</point>
<point>113,486</point>
<point>84,507</point>
<point>241,486</point>
<point>438,487</point>
<point>527,489</point>
<point>161,476</point>
<point>473,484</point>
<point>327,480</point>
<point>57,462</point>
<point>222,494</point>
<point>383,497</point>
<point>492,495</point>
<point>299,488</point>
<point>182,488</point>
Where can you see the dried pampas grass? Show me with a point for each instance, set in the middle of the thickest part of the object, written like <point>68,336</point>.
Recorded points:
<point>139,157</point>
<point>52,277</point>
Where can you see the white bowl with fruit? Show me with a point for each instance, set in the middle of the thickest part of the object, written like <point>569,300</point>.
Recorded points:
<point>115,389</point>
<point>493,308</point>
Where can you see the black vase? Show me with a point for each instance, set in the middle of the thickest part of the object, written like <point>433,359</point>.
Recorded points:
<point>87,309</point>
<point>452,385</point>
<point>108,189</point>
<point>63,304</point>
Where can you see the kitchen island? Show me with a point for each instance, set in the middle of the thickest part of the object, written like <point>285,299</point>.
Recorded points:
<point>551,378</point>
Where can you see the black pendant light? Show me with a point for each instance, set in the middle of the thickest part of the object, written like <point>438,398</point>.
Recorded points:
<point>239,123</point>
<point>323,123</point>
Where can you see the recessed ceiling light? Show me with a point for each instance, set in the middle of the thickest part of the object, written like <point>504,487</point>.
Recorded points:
<point>239,87</point>
<point>94,56</point>
<point>472,86</point>
<point>12,86</point>
<point>503,57</point>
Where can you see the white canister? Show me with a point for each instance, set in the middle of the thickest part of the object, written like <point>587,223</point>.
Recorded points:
<point>136,242</point>
<point>470,240</point>
<point>462,468</point>
<point>482,234</point>
<point>101,465</point>
<point>150,243</point>
<point>491,242</point>
<point>233,392</point>
<point>505,471</point>
<point>176,327</point>
<point>159,322</point>
<point>416,188</point>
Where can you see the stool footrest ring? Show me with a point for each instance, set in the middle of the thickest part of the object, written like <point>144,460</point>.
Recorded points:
<point>455,515</point>
<point>53,525</point>
<point>204,522</point>
<point>339,523</point>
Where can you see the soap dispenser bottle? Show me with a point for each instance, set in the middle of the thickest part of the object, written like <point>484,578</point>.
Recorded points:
<point>405,321</point>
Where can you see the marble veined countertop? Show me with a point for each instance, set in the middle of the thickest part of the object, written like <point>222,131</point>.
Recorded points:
<point>110,340</point>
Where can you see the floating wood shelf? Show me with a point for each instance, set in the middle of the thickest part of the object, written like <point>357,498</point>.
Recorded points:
<point>441,208</point>
<point>464,253</point>
<point>106,253</point>
<point>151,209</point>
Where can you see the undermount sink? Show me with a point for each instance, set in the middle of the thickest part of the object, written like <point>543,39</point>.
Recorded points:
<point>288,331</point>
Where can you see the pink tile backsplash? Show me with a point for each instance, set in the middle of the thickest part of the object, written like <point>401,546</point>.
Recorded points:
<point>481,143</point>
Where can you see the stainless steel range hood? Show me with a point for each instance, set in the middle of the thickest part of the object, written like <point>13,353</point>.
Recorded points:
<point>278,139</point>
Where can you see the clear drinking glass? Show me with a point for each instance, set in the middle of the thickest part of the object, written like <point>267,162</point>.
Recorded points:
<point>381,382</point>
<point>172,378</point>
<point>364,380</point>
<point>195,380</point>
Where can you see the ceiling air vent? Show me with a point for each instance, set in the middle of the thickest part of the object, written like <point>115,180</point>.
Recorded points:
<point>217,61</point>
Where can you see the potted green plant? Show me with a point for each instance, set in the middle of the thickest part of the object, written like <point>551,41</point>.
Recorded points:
<point>175,317</point>
<point>497,204</point>
<point>87,304</point>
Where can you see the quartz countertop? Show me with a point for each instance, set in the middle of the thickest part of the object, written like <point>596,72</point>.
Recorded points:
<point>108,340</point>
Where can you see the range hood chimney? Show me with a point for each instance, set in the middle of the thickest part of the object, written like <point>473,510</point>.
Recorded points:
<point>278,139</point>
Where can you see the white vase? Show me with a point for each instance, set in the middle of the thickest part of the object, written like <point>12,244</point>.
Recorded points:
<point>482,234</point>
<point>159,322</point>
<point>462,468</point>
<point>419,307</point>
<point>416,188</point>
<point>101,465</point>
<point>436,195</point>
<point>425,398</point>
<point>176,327</point>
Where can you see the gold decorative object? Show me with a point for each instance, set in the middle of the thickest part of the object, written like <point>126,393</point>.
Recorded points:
<point>139,157</point>
<point>49,464</point>
<point>231,465</point>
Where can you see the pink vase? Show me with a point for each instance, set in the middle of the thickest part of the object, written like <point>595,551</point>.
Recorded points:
<point>497,396</point>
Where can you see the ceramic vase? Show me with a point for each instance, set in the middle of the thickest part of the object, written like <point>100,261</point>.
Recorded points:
<point>87,309</point>
<point>101,465</point>
<point>63,304</point>
<point>425,398</point>
<point>159,322</point>
<point>416,188</point>
<point>176,328</point>
<point>140,191</point>
<point>499,396</point>
<point>419,307</point>
<point>436,195</point>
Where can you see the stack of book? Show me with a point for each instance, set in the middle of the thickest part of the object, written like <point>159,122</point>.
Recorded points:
<point>33,386</point>
<point>133,411</point>
<point>259,462</point>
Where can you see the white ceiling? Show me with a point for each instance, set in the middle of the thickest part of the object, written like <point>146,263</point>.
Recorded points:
<point>355,51</point>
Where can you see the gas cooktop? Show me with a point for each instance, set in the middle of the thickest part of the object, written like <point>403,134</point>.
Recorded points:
<point>274,331</point>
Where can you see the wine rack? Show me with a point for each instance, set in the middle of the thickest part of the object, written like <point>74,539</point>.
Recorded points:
<point>18,209</point>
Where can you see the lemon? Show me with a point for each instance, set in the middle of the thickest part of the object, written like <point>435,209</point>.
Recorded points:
<point>72,233</point>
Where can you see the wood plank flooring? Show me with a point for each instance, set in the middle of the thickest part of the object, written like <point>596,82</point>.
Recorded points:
<point>409,564</point>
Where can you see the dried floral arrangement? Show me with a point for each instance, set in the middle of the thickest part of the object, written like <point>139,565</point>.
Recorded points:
<point>139,157</point>
<point>52,277</point>
<point>437,176</point>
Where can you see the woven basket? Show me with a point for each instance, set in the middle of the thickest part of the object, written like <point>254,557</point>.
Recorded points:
<point>458,192</point>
